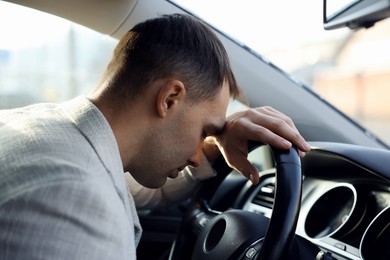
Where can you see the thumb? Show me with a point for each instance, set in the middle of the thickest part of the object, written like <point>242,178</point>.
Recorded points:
<point>244,167</point>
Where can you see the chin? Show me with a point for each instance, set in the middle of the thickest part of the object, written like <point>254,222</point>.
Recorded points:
<point>152,181</point>
<point>154,184</point>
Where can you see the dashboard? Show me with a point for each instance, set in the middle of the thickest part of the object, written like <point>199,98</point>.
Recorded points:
<point>345,206</point>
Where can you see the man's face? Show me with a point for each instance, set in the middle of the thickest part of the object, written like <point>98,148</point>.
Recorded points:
<point>179,142</point>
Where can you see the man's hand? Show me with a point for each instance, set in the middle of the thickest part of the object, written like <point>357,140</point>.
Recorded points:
<point>263,124</point>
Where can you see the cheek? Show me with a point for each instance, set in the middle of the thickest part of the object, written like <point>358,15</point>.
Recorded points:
<point>188,134</point>
<point>190,140</point>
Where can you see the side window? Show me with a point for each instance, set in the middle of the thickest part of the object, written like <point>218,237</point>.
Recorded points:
<point>44,58</point>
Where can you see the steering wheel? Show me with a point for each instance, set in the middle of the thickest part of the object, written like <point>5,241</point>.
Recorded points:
<point>239,234</point>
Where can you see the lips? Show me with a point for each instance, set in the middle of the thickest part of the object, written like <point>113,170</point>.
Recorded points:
<point>173,174</point>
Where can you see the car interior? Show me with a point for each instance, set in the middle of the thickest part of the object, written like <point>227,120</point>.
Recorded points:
<point>334,203</point>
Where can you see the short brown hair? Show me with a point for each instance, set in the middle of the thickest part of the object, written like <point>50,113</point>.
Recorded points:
<point>174,45</point>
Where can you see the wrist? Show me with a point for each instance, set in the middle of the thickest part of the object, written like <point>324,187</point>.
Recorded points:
<point>210,149</point>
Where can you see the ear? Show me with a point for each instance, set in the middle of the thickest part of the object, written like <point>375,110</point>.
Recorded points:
<point>170,95</point>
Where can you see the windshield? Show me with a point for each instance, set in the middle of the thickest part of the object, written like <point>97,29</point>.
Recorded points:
<point>44,58</point>
<point>350,69</point>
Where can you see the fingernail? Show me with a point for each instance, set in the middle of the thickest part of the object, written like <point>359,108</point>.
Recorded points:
<point>286,143</point>
<point>306,146</point>
<point>253,179</point>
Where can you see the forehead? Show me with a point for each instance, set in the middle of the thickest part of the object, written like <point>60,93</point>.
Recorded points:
<point>215,109</point>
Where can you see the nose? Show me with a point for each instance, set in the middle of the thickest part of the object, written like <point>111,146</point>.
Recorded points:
<point>195,159</point>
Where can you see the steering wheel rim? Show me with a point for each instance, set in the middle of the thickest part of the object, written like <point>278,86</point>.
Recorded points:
<point>281,229</point>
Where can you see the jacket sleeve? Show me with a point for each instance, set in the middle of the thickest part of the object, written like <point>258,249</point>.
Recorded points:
<point>65,220</point>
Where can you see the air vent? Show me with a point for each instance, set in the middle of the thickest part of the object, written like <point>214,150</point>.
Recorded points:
<point>265,195</point>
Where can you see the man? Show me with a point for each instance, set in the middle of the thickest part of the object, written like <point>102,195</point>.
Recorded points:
<point>159,107</point>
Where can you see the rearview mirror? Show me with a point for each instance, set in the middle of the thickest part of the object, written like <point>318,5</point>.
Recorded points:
<point>354,13</point>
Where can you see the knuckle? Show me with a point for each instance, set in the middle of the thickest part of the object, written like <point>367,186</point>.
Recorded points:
<point>279,123</point>
<point>288,120</point>
<point>250,113</point>
<point>230,124</point>
<point>262,109</point>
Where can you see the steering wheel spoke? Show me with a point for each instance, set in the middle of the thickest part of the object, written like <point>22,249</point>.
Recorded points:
<point>239,234</point>
<point>203,217</point>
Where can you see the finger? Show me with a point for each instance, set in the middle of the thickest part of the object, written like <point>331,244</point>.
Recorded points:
<point>275,113</point>
<point>243,166</point>
<point>300,143</point>
<point>236,158</point>
<point>275,137</point>
<point>269,137</point>
<point>283,127</point>
<point>301,153</point>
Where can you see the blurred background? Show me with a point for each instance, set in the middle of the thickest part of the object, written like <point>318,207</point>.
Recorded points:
<point>47,59</point>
